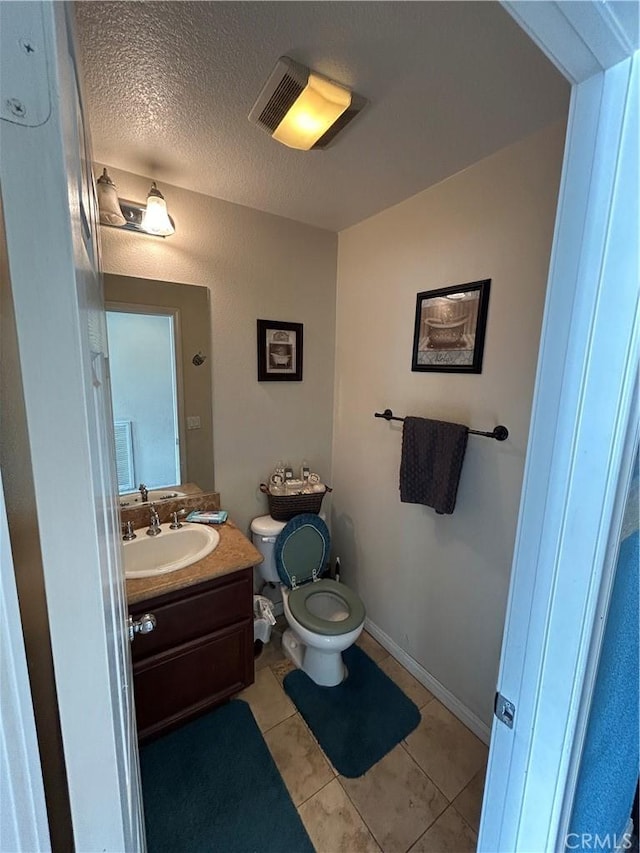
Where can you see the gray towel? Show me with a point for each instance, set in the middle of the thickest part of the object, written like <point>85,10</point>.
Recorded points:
<point>432,457</point>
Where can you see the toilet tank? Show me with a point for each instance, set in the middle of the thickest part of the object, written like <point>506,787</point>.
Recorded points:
<point>264,531</point>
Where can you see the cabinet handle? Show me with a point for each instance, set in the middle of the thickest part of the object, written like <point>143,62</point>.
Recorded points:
<point>144,625</point>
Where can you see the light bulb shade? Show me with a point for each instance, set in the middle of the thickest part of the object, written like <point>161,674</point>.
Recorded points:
<point>156,219</point>
<point>319,105</point>
<point>108,204</point>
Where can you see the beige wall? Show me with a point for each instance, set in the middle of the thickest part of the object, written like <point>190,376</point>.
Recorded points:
<point>256,266</point>
<point>437,585</point>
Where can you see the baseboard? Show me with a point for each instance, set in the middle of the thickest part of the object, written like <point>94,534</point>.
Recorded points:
<point>470,720</point>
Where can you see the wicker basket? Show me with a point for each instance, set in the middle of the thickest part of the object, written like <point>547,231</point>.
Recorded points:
<point>284,507</point>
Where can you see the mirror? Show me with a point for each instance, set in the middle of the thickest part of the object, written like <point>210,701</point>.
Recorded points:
<point>159,349</point>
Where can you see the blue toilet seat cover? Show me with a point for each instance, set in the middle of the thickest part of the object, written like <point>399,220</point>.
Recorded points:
<point>302,549</point>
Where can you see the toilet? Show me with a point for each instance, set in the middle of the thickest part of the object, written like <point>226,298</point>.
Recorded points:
<point>325,617</point>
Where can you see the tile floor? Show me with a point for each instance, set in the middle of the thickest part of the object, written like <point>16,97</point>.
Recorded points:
<point>424,796</point>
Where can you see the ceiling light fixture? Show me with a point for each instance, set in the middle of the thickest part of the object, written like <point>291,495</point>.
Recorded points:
<point>301,108</point>
<point>130,216</point>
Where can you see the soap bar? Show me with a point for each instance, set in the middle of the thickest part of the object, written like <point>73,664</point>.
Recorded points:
<point>218,516</point>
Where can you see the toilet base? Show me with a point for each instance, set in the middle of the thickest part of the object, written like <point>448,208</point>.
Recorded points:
<point>325,668</point>
<point>292,648</point>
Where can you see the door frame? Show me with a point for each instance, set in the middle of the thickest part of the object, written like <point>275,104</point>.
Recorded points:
<point>51,231</point>
<point>23,814</point>
<point>582,426</point>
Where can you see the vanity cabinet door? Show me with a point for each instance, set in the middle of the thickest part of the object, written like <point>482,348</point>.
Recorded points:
<point>199,655</point>
<point>181,683</point>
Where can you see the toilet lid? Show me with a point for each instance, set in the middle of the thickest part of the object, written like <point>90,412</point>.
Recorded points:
<point>302,549</point>
<point>264,525</point>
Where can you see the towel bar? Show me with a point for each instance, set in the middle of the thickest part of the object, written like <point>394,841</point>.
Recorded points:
<point>500,433</point>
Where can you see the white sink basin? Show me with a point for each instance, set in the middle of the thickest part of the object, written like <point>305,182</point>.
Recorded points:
<point>146,556</point>
<point>134,499</point>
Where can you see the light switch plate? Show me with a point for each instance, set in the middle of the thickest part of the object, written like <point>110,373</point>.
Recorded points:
<point>193,422</point>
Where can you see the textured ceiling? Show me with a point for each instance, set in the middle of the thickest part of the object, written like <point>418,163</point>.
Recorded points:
<point>170,86</point>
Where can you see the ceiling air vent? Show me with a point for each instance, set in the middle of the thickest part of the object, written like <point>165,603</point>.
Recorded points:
<point>285,95</point>
<point>286,107</point>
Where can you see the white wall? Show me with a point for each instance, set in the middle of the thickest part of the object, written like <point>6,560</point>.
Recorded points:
<point>256,265</point>
<point>437,585</point>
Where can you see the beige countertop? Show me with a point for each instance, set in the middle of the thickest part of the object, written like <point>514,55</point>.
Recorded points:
<point>234,552</point>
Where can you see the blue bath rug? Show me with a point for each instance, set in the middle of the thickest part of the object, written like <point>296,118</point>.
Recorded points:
<point>359,721</point>
<point>213,786</point>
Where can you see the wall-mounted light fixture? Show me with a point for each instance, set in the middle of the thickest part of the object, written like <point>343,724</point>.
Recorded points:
<point>120,213</point>
<point>303,109</point>
<point>108,204</point>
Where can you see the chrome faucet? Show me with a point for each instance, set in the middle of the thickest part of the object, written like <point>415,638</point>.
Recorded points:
<point>154,522</point>
<point>129,533</point>
<point>144,493</point>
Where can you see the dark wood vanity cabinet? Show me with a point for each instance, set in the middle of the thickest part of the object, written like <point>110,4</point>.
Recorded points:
<point>199,655</point>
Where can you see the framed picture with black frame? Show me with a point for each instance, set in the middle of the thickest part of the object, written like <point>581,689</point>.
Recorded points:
<point>450,327</point>
<point>279,351</point>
